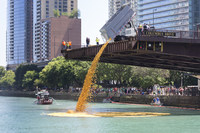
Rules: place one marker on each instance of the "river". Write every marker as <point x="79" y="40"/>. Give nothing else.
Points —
<point x="21" y="115"/>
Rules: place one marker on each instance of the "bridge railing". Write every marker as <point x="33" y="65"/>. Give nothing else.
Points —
<point x="93" y="50"/>
<point x="175" y="34"/>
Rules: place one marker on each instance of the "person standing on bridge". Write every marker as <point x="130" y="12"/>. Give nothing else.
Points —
<point x="64" y="44"/>
<point x="87" y="41"/>
<point x="70" y="44"/>
<point x="67" y="45"/>
<point x="140" y="30"/>
<point x="97" y="40"/>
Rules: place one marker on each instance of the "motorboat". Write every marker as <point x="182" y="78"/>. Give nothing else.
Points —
<point x="43" y="97"/>
<point x="156" y="102"/>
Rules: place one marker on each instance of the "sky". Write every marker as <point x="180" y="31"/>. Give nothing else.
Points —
<point x="93" y="14"/>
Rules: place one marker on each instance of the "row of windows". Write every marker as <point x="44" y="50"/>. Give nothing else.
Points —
<point x="164" y="2"/>
<point x="163" y="8"/>
<point x="166" y="19"/>
<point x="166" y="13"/>
<point x="64" y="6"/>
<point x="171" y="24"/>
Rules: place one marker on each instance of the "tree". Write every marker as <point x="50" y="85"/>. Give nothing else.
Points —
<point x="65" y="14"/>
<point x="38" y="83"/>
<point x="58" y="73"/>
<point x="74" y="14"/>
<point x="114" y="72"/>
<point x="176" y="77"/>
<point x="147" y="77"/>
<point x="80" y="71"/>
<point x="56" y="13"/>
<point x="29" y="78"/>
<point x="2" y="71"/>
<point x="20" y="71"/>
<point x="8" y="80"/>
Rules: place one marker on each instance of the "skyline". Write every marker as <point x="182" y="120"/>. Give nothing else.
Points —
<point x="93" y="18"/>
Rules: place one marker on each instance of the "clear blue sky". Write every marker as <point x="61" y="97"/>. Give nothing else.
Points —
<point x="94" y="14"/>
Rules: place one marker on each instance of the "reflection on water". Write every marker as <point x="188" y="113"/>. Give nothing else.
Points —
<point x="19" y="115"/>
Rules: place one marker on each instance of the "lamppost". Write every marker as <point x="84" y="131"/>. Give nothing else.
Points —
<point x="153" y="15"/>
<point x="196" y="29"/>
<point x="197" y="26"/>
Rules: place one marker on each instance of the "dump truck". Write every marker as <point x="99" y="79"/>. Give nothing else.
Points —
<point x="117" y="22"/>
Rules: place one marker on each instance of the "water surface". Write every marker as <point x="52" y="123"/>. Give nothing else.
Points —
<point x="20" y="115"/>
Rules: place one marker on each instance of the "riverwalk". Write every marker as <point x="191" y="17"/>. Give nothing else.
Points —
<point x="176" y="100"/>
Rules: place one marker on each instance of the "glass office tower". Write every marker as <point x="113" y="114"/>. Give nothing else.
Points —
<point x="169" y="14"/>
<point x="163" y="14"/>
<point x="19" y="32"/>
<point x="115" y="5"/>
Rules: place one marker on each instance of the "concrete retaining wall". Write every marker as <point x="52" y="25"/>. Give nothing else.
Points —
<point x="180" y="101"/>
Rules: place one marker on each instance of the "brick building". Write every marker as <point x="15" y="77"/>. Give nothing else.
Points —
<point x="53" y="31"/>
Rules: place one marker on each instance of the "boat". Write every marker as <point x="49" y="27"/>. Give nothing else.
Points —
<point x="43" y="97"/>
<point x="156" y="102"/>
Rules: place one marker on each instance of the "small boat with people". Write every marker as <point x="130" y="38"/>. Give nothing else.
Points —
<point x="43" y="97"/>
<point x="156" y="102"/>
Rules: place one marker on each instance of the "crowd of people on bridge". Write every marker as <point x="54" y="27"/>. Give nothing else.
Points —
<point x="88" y="41"/>
<point x="143" y="28"/>
<point x="67" y="45"/>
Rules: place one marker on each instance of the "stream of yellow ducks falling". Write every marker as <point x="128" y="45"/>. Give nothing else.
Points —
<point x="86" y="94"/>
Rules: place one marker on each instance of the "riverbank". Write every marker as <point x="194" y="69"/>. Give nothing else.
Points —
<point x="178" y="101"/>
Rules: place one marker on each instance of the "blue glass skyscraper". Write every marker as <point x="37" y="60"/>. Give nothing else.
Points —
<point x="181" y="15"/>
<point x="19" y="31"/>
<point x="169" y="14"/>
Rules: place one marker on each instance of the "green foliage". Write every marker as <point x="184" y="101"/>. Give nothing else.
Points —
<point x="20" y="71"/>
<point x="65" y="14"/>
<point x="2" y="71"/>
<point x="61" y="73"/>
<point x="7" y="80"/>
<point x="176" y="77"/>
<point x="29" y="78"/>
<point x="80" y="71"/>
<point x="147" y="77"/>
<point x="74" y="14"/>
<point x="114" y="72"/>
<point x="58" y="73"/>
<point x="38" y="83"/>
<point x="56" y="13"/>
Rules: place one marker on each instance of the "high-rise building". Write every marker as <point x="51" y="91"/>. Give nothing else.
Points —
<point x="167" y="14"/>
<point x="44" y="9"/>
<point x="163" y="14"/>
<point x="115" y="5"/>
<point x="19" y="31"/>
<point x="23" y="27"/>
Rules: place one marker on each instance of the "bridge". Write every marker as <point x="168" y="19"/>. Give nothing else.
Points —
<point x="178" y="52"/>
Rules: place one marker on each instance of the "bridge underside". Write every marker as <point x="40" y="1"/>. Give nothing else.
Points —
<point x="172" y="54"/>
